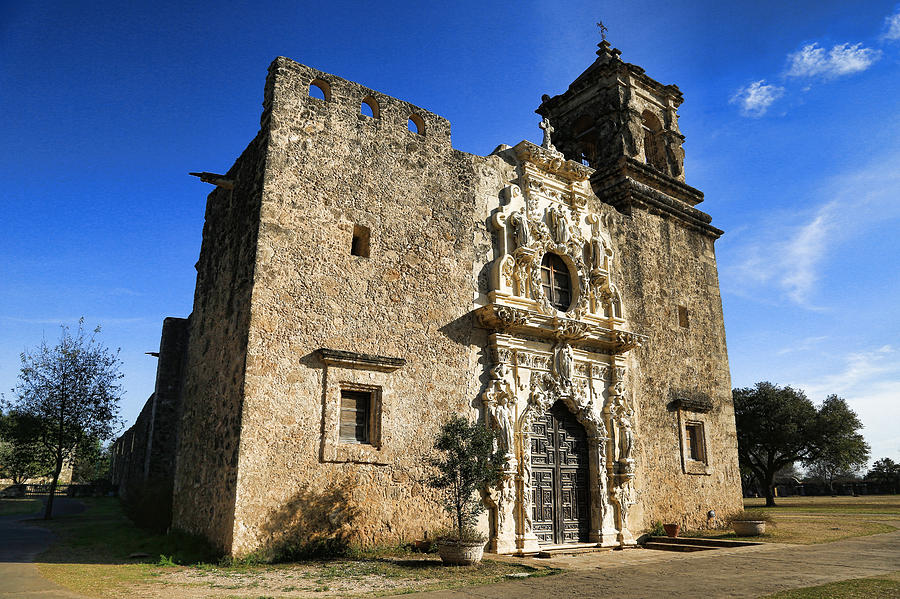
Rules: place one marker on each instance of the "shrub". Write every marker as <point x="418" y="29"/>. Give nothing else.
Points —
<point x="467" y="463"/>
<point x="753" y="515"/>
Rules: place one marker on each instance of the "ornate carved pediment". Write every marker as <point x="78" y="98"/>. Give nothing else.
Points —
<point x="552" y="161"/>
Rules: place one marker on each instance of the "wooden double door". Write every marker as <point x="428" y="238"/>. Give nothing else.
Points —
<point x="559" y="478"/>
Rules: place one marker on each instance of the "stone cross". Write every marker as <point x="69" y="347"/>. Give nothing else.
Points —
<point x="548" y="129"/>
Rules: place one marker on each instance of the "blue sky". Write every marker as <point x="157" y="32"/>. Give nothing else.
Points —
<point x="791" y="113"/>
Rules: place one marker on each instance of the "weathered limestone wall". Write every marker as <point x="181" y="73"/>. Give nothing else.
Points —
<point x="145" y="453"/>
<point x="129" y="454"/>
<point x="665" y="265"/>
<point x="207" y="447"/>
<point x="258" y="462"/>
<point x="328" y="169"/>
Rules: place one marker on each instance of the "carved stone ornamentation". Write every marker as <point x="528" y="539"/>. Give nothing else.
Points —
<point x="511" y="317"/>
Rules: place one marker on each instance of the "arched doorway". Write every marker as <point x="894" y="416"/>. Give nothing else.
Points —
<point x="559" y="478"/>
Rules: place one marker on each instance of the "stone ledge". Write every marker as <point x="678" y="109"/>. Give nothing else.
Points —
<point x="692" y="404"/>
<point x="349" y="359"/>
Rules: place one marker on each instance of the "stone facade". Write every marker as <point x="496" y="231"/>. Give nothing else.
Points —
<point x="360" y="281"/>
<point x="145" y="453"/>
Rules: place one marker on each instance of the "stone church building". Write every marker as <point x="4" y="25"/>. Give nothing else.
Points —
<point x="360" y="281"/>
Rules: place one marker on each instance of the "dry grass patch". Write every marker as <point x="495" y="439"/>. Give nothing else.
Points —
<point x="884" y="587"/>
<point x="810" y="520"/>
<point x="843" y="504"/>
<point x="91" y="558"/>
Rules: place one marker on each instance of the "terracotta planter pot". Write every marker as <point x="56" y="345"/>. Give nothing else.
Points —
<point x="460" y="553"/>
<point x="672" y="530"/>
<point x="749" y="528"/>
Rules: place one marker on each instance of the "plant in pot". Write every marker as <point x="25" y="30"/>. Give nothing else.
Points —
<point x="750" y="523"/>
<point x="467" y="462"/>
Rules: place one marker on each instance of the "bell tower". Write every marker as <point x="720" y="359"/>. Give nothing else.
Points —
<point x="624" y="124"/>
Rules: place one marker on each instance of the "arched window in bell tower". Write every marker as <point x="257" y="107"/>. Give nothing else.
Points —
<point x="654" y="149"/>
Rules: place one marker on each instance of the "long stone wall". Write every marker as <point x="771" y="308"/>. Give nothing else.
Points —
<point x="145" y="453"/>
<point x="212" y="393"/>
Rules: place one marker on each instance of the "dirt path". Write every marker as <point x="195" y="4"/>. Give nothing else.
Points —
<point x="19" y="544"/>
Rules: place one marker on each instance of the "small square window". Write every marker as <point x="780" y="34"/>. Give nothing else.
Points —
<point x="360" y="244"/>
<point x="683" y="316"/>
<point x="356" y="416"/>
<point x="696" y="445"/>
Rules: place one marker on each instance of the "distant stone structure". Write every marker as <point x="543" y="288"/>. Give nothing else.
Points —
<point x="360" y="281"/>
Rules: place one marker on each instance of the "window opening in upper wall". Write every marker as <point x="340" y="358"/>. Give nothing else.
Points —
<point x="683" y="316"/>
<point x="359" y="246"/>
<point x="416" y="124"/>
<point x="356" y="416"/>
<point x="556" y="281"/>
<point x="696" y="444"/>
<point x="319" y="89"/>
<point x="369" y="107"/>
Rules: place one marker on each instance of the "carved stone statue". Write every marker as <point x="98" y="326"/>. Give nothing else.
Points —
<point x="548" y="129"/>
<point x="598" y="254"/>
<point x="564" y="362"/>
<point x="559" y="225"/>
<point x="522" y="228"/>
<point x="626" y="435"/>
<point x="501" y="411"/>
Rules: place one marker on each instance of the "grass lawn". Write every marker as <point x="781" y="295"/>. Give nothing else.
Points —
<point x="10" y="507"/>
<point x="883" y="587"/>
<point x="809" y="520"/>
<point x="92" y="558"/>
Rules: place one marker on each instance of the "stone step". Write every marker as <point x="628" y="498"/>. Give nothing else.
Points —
<point x="676" y="547"/>
<point x="701" y="541"/>
<point x="548" y="551"/>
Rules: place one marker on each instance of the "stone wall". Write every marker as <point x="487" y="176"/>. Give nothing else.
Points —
<point x="212" y="394"/>
<point x="666" y="265"/>
<point x="352" y="253"/>
<point x="329" y="169"/>
<point x="145" y="453"/>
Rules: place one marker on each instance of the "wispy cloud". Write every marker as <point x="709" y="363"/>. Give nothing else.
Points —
<point x="791" y="261"/>
<point x="892" y="27"/>
<point x="783" y="256"/>
<point x="756" y="97"/>
<point x="843" y="59"/>
<point x="870" y="382"/>
<point x="803" y="345"/>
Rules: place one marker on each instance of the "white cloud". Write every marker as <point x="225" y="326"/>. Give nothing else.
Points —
<point x="804" y="252"/>
<point x="756" y="97"/>
<point x="784" y="255"/>
<point x="892" y="26"/>
<point x="790" y="257"/>
<point x="843" y="59"/>
<point x="870" y="382"/>
<point x="803" y="345"/>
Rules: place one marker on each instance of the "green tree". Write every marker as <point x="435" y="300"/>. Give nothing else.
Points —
<point x="73" y="388"/>
<point x="779" y="425"/>
<point x="22" y="455"/>
<point x="775" y="427"/>
<point x="468" y="463"/>
<point x="841" y="448"/>
<point x="885" y="472"/>
<point x="91" y="462"/>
